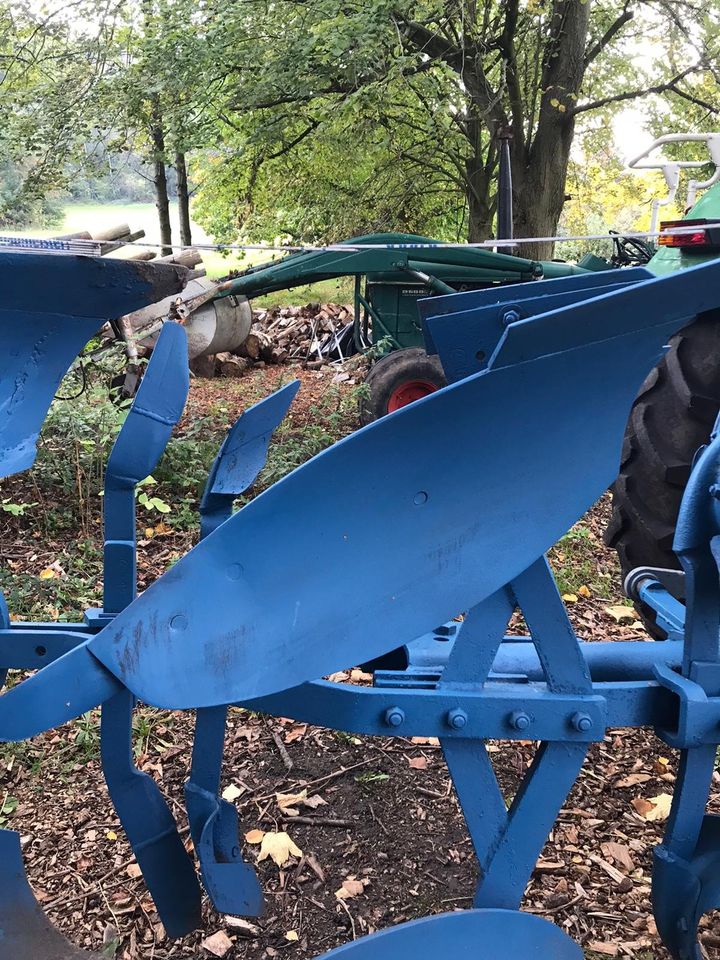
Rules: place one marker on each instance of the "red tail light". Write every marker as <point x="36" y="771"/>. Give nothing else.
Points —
<point x="702" y="238"/>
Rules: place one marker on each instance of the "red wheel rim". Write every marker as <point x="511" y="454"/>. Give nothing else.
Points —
<point x="409" y="392"/>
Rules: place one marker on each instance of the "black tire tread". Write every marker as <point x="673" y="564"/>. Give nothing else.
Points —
<point x="671" y="418"/>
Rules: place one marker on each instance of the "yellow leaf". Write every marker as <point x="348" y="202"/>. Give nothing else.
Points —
<point x="291" y="935"/>
<point x="279" y="847"/>
<point x="655" y="808"/>
<point x="231" y="793"/>
<point x="562" y="108"/>
<point x="584" y="591"/>
<point x="149" y="533"/>
<point x="47" y="574"/>
<point x="111" y="835"/>
<point x="254" y="836"/>
<point x="570" y="597"/>
<point x="621" y="612"/>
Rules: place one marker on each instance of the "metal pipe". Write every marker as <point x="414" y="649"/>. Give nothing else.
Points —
<point x="504" y="195"/>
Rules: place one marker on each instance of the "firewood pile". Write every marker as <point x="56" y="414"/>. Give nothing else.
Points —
<point x="311" y="335"/>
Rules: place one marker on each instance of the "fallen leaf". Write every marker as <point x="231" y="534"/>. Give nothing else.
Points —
<point x="254" y="836"/>
<point x="149" y="532"/>
<point x="218" y="944"/>
<point x="430" y="741"/>
<point x="292" y="936"/>
<point x="350" y="888"/>
<point x="314" y="802"/>
<point x="584" y="591"/>
<point x="338" y="677"/>
<point x="633" y="779"/>
<point x="620" y="612"/>
<point x="655" y="808"/>
<point x="295" y="733"/>
<point x="111" y="835"/>
<point x="134" y="871"/>
<point x="47" y="574"/>
<point x="418" y="763"/>
<point x="359" y="676"/>
<point x="231" y="793"/>
<point x="570" y="597"/>
<point x="287" y="800"/>
<point x="279" y="847"/>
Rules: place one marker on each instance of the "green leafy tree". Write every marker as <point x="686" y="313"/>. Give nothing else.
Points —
<point x="417" y="91"/>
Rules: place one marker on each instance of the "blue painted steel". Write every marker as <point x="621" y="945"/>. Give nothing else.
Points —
<point x="242" y="456"/>
<point x="156" y="409"/>
<point x="427" y="511"/>
<point x="231" y="884"/>
<point x="4" y="625"/>
<point x="25" y="932"/>
<point x="146" y="819"/>
<point x="686" y="868"/>
<point x="482" y="934"/>
<point x="621" y="660"/>
<point x="463" y="519"/>
<point x="45" y="329"/>
<point x="670" y="613"/>
<point x="483" y="315"/>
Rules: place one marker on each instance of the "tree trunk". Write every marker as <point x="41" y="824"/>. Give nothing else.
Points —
<point x="478" y="181"/>
<point x="540" y="191"/>
<point x="183" y="200"/>
<point x="162" y="201"/>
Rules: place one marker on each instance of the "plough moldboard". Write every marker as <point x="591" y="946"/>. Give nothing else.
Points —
<point x="465" y="491"/>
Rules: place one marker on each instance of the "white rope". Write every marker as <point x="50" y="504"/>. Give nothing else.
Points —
<point x="92" y="246"/>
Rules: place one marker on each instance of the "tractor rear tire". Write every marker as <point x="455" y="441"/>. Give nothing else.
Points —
<point x="670" y="420"/>
<point x="398" y="379"/>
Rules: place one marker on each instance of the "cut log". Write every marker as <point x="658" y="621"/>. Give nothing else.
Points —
<point x="186" y="258"/>
<point x="120" y="232"/>
<point x="258" y="345"/>
<point x="204" y="367"/>
<point x="142" y="255"/>
<point x="231" y="366"/>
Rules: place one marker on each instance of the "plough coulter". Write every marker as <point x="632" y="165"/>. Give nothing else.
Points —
<point x="522" y="441"/>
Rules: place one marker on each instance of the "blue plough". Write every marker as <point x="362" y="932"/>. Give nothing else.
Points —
<point x="465" y="491"/>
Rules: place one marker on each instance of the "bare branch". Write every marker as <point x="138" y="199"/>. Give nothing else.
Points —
<point x="634" y="94"/>
<point x="614" y="28"/>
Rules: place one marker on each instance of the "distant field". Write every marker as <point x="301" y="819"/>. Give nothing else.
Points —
<point x="143" y="216"/>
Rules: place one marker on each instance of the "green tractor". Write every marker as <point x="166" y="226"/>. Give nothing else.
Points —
<point x="677" y="405"/>
<point x="389" y="280"/>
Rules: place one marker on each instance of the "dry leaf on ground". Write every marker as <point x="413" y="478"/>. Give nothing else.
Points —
<point x="350" y="888"/>
<point x="654" y="808"/>
<point x="254" y="836"/>
<point x="231" y="793"/>
<point x="295" y="733"/>
<point x="279" y="847"/>
<point x="218" y="944"/>
<point x="621" y="612"/>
